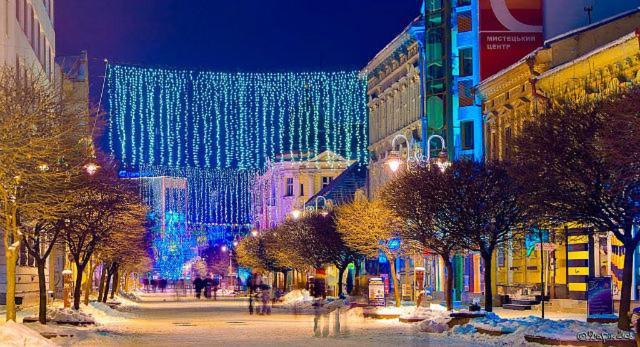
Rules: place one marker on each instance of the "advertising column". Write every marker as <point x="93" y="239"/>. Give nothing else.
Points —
<point x="509" y="30"/>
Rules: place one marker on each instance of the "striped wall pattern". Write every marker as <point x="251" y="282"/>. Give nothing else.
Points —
<point x="578" y="266"/>
<point x="617" y="261"/>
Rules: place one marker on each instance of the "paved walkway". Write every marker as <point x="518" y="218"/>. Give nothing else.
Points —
<point x="226" y="322"/>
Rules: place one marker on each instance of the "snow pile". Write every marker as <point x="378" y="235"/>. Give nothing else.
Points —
<point x="108" y="311"/>
<point x="296" y="296"/>
<point x="14" y="334"/>
<point x="516" y="329"/>
<point x="70" y="316"/>
<point x="423" y="312"/>
<point x="492" y="322"/>
<point x="133" y="296"/>
<point x="435" y="321"/>
<point x="568" y="329"/>
<point x="300" y="301"/>
<point x="391" y="310"/>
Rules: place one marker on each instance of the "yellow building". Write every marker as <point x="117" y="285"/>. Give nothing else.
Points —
<point x="583" y="64"/>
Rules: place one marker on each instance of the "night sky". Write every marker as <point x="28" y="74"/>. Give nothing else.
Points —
<point x="230" y="35"/>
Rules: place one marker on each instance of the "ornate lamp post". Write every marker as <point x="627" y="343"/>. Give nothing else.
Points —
<point x="395" y="158"/>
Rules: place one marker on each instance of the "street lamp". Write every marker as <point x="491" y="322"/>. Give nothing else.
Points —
<point x="91" y="168"/>
<point x="394" y="160"/>
<point x="296" y="213"/>
<point x="254" y="232"/>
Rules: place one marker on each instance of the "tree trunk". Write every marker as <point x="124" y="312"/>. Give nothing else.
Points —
<point x="107" y="283"/>
<point x="624" y="320"/>
<point x="77" y="289"/>
<point x="103" y="278"/>
<point x="448" y="288"/>
<point x="88" y="284"/>
<point x="340" y="274"/>
<point x="11" y="249"/>
<point x="396" y="292"/>
<point x="116" y="281"/>
<point x="356" y="278"/>
<point x="488" y="290"/>
<point x="42" y="286"/>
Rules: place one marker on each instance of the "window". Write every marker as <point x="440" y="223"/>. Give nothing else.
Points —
<point x="466" y="134"/>
<point x="465" y="95"/>
<point x="301" y="189"/>
<point x="465" y="61"/>
<point x="326" y="181"/>
<point x="464" y="22"/>
<point x="464" y="2"/>
<point x="289" y="188"/>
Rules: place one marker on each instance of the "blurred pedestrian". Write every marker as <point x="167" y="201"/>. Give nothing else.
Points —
<point x="197" y="283"/>
<point x="216" y="283"/>
<point x="265" y="295"/>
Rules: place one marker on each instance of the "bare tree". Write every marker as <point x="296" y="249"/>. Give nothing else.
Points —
<point x="581" y="163"/>
<point x="316" y="238"/>
<point x="104" y="206"/>
<point x="419" y="197"/>
<point x="42" y="139"/>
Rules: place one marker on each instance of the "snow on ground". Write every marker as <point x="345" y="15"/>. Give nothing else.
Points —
<point x="14" y="334"/>
<point x="68" y="315"/>
<point x="300" y="301"/>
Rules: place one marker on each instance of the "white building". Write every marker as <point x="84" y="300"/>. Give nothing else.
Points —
<point x="290" y="181"/>
<point x="27" y="40"/>
<point x="27" y="35"/>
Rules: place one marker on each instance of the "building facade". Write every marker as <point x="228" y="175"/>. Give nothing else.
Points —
<point x="393" y="89"/>
<point x="289" y="182"/>
<point x="27" y="35"/>
<point x="583" y="64"/>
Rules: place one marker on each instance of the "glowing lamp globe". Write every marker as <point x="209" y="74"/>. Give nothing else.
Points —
<point x="324" y="213"/>
<point x="224" y="248"/>
<point x="442" y="161"/>
<point x="296" y="214"/>
<point x="394" y="161"/>
<point x="91" y="168"/>
<point x="254" y="232"/>
<point x="235" y="243"/>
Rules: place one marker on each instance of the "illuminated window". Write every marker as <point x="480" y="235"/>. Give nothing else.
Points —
<point x="464" y="21"/>
<point x="465" y="93"/>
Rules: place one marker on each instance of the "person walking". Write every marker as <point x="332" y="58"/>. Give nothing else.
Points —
<point x="250" y="287"/>
<point x="216" y="283"/>
<point x="197" y="283"/>
<point x="266" y="296"/>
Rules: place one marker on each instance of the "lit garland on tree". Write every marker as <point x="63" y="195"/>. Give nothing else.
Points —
<point x="173" y="247"/>
<point x="178" y="118"/>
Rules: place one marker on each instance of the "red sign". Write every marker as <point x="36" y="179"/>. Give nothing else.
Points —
<point x="509" y="30"/>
